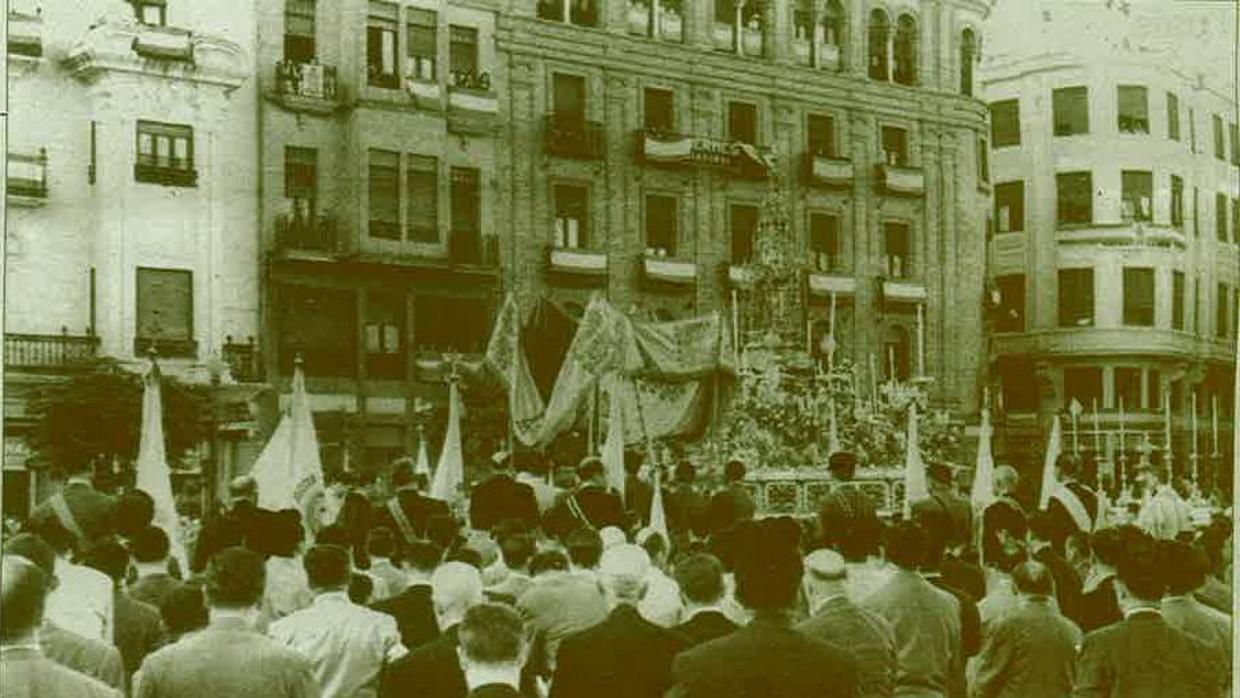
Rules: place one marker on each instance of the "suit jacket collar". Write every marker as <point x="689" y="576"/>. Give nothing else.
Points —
<point x="229" y="624"/>
<point x="772" y="619"/>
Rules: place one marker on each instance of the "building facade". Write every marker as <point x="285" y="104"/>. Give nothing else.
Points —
<point x="129" y="198"/>
<point x="1116" y="201"/>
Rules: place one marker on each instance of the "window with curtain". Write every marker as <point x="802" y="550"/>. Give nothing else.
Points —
<point x="1074" y="198"/>
<point x="1010" y="206"/>
<point x="905" y="50"/>
<point x="1076" y="297"/>
<point x="1071" y="110"/>
<point x="1138" y="297"/>
<point x="820" y="134"/>
<point x="662" y="229"/>
<point x="381" y="44"/>
<point x="463" y="50"/>
<point x="299" y="30"/>
<point x="422" y="198"/>
<point x="968" y="57"/>
<point x="1173" y="116"/>
<point x="384" y="189"/>
<point x="824" y="242"/>
<point x="1177" y="201"/>
<point x="421" y="37"/>
<point x="879" y="32"/>
<point x="572" y="216"/>
<point x="1134" y="114"/>
<point x="167" y="146"/>
<point x="1005" y="123"/>
<point x="896" y="247"/>
<point x="744" y="219"/>
<point x="1137" y="195"/>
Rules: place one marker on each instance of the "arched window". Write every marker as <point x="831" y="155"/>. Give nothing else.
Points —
<point x="896" y="354"/>
<point x="880" y="30"/>
<point x="906" y="50"/>
<point x="968" y="56"/>
<point x="833" y="33"/>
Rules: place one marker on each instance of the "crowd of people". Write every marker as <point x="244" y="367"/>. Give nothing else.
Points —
<point x="568" y="591"/>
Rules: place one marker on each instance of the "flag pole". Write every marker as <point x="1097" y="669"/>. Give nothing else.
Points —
<point x="512" y="380"/>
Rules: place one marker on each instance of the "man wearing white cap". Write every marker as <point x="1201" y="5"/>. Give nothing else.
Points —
<point x="836" y="619"/>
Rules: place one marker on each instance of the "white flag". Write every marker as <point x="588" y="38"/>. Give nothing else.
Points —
<point x="613" y="447"/>
<point x="450" y="472"/>
<point x="1054" y="445"/>
<point x="153" y="476"/>
<point x="983" y="492"/>
<point x="658" y="519"/>
<point x="289" y="471"/>
<point x="914" y="469"/>
<point x="422" y="466"/>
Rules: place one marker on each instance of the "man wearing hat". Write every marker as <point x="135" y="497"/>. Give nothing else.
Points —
<point x="593" y="505"/>
<point x="958" y="519"/>
<point x="847" y="515"/>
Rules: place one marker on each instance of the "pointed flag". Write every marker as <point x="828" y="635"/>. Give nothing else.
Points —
<point x="613" y="447"/>
<point x="983" y="492"/>
<point x="505" y="357"/>
<point x="153" y="476"/>
<point x="450" y="472"/>
<point x="914" y="469"/>
<point x="422" y="466"/>
<point x="289" y="471"/>
<point x="1054" y="445"/>
<point x="658" y="519"/>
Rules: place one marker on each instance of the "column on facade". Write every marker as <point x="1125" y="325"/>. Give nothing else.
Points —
<point x="526" y="180"/>
<point x="857" y="18"/>
<point x="699" y="24"/>
<point x="817" y="34"/>
<point x="860" y="128"/>
<point x="621" y="217"/>
<point x="938" y="251"/>
<point x="776" y="34"/>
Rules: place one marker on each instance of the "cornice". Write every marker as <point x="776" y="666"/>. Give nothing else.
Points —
<point x="110" y="48"/>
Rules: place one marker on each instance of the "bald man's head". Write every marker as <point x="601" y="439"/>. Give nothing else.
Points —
<point x="455" y="587"/>
<point x="1033" y="579"/>
<point x="23" y="591"/>
<point x="825" y="574"/>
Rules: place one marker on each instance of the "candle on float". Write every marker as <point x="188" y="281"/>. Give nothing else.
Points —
<point x="1194" y="421"/>
<point x="1121" y="428"/>
<point x="1167" y="421"/>
<point x="921" y="339"/>
<point x="831" y="334"/>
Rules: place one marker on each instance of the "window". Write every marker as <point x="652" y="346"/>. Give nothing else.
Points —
<point x="384" y="333"/>
<point x="1010" y="206"/>
<point x="824" y="242"/>
<point x="1153" y="379"/>
<point x="905" y="51"/>
<point x="1076" y="297"/>
<point x="572" y="215"/>
<point x="165" y="154"/>
<point x="895" y="146"/>
<point x="465" y="243"/>
<point x="1127" y="387"/>
<point x="833" y="27"/>
<point x="1075" y="198"/>
<point x="983" y="160"/>
<point x="1192" y="131"/>
<point x="1134" y="113"/>
<point x="1071" y="106"/>
<point x="381" y="45"/>
<point x="463" y="51"/>
<point x="320" y="324"/>
<point x="1219" y="147"/>
<point x="897" y="357"/>
<point x="1173" y="116"/>
<point x="1177" y="202"/>
<point x="568" y="95"/>
<point x="165" y="310"/>
<point x="742" y="122"/>
<point x="820" y="134"/>
<point x="744" y="220"/>
<point x="662" y="230"/>
<point x="384" y="187"/>
<point x="1220" y="216"/>
<point x="1197" y="324"/>
<point x="151" y="12"/>
<point x="1138" y="297"/>
<point x="1234" y="132"/>
<point x="1011" y="316"/>
<point x="1221" y="315"/>
<point x="659" y="110"/>
<point x="1196" y="211"/>
<point x="421" y="36"/>
<point x="968" y="56"/>
<point x="1083" y="384"/>
<point x="422" y="198"/>
<point x="1235" y="220"/>
<point x="298" y="30"/>
<point x="896" y="245"/>
<point x="1138" y="193"/>
<point x="1005" y="123"/>
<point x="451" y="324"/>
<point x="301" y="181"/>
<point x="880" y="34"/>
<point x="583" y="13"/>
<point x="1177" y="300"/>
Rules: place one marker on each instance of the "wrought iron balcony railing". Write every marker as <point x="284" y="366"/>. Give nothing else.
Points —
<point x="306" y="233"/>
<point x="306" y="80"/>
<point x="571" y="136"/>
<point x="49" y="351"/>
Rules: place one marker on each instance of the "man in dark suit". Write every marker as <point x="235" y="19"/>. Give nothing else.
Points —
<point x="733" y="503"/>
<point x="81" y="509"/>
<point x="957" y="519"/>
<point x="1004" y="523"/>
<point x="1142" y="656"/>
<point x="625" y="655"/>
<point x="933" y="522"/>
<point x="1029" y="651"/>
<point x="637" y="492"/>
<point x="501" y="497"/>
<point x="836" y="619"/>
<point x="684" y="503"/>
<point x="412" y="608"/>
<point x="1073" y="506"/>
<point x="148" y="546"/>
<point x="847" y="516"/>
<point x="229" y="527"/>
<point x="1067" y="582"/>
<point x="433" y="669"/>
<point x="138" y="629"/>
<point x="1099" y="601"/>
<point x="767" y="657"/>
<point x="592" y="505"/>
<point x="408" y="510"/>
<point x="493" y="649"/>
<point x="1186" y="568"/>
<point x="700" y="578"/>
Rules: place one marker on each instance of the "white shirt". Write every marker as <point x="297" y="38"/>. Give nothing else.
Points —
<point x="287" y="588"/>
<point x="347" y="644"/>
<point x="81" y="601"/>
<point x="661" y="604"/>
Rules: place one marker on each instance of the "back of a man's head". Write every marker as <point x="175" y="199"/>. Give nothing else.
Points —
<point x="590" y="469"/>
<point x="23" y="591"/>
<point x="134" y="511"/>
<point x="700" y="578"/>
<point x="1141" y="570"/>
<point x="455" y="586"/>
<point x="235" y="579"/>
<point x="1108" y="546"/>
<point x="653" y="543"/>
<point x="1033" y="579"/>
<point x="622" y="570"/>
<point x="734" y="471"/>
<point x="905" y="545"/>
<point x="110" y="557"/>
<point x="491" y="635"/>
<point x="59" y="538"/>
<point x="768" y="577"/>
<point x="183" y="609"/>
<point x="516" y="550"/>
<point x="327" y="567"/>
<point x="1186" y="567"/>
<point x="546" y="561"/>
<point x="584" y="547"/>
<point x="149" y="545"/>
<point x="422" y="556"/>
<point x="34" y="549"/>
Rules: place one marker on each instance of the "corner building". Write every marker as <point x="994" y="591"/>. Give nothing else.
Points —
<point x="1114" y="256"/>
<point x="619" y="168"/>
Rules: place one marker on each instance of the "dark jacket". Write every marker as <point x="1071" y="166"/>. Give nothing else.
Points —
<point x="686" y="509"/>
<point x="1144" y="657"/>
<point x="1063" y="523"/>
<point x="764" y="659"/>
<point x="151" y="588"/>
<point x="970" y="616"/>
<point x="956" y="515"/>
<point x="866" y="634"/>
<point x="1067" y="581"/>
<point x="730" y="506"/>
<point x="848" y="515"/>
<point x="704" y="627"/>
<point x="92" y="511"/>
<point x="637" y="497"/>
<point x="500" y="497"/>
<point x="1003" y="519"/>
<point x="414" y="613"/>
<point x="624" y="656"/>
<point x="138" y="629"/>
<point x="1028" y="653"/>
<point x="432" y="670"/>
<point x="417" y="508"/>
<point x="495" y="690"/>
<point x="1098" y="608"/>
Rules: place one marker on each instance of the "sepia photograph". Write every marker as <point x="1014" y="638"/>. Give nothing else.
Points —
<point x="619" y="348"/>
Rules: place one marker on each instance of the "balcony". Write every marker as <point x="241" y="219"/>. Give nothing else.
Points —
<point x="582" y="263"/>
<point x="1127" y="234"/>
<point x="669" y="271"/>
<point x="742" y="275"/>
<point x="164" y="43"/>
<point x="308" y="87"/>
<point x="309" y="237"/>
<point x="469" y="248"/>
<point x="902" y="291"/>
<point x="165" y="347"/>
<point x="664" y="149"/>
<point x="165" y="171"/>
<point x="25" y="35"/>
<point x="473" y="106"/>
<point x="825" y="283"/>
<point x="669" y="25"/>
<point x="828" y="171"/>
<point x="571" y="136"/>
<point x="902" y="181"/>
<point x="49" y="351"/>
<point x="723" y="38"/>
<point x="27" y="178"/>
<point x="1115" y="341"/>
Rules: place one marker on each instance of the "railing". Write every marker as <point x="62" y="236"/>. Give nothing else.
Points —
<point x="469" y="247"/>
<point x="27" y="174"/>
<point x="244" y="360"/>
<point x="306" y="80"/>
<point x="169" y="171"/>
<point x="471" y="80"/>
<point x="571" y="136"/>
<point x="310" y="234"/>
<point x="177" y="348"/>
<point x="25" y="34"/>
<point x="49" y="350"/>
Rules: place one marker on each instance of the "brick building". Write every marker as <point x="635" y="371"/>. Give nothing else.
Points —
<point x="1117" y="198"/>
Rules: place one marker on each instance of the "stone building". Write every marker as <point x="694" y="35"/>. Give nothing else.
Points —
<point x="1114" y="257"/>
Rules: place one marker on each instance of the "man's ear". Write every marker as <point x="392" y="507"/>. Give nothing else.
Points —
<point x="460" y="656"/>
